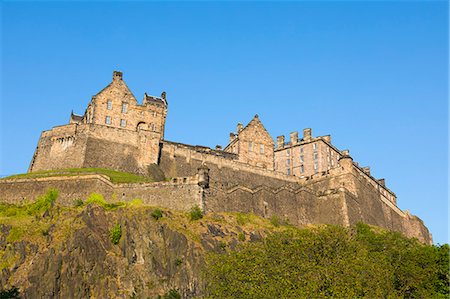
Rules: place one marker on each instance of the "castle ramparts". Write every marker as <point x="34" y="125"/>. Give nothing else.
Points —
<point x="306" y="180"/>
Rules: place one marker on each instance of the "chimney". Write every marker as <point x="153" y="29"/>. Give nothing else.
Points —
<point x="117" y="76"/>
<point x="307" y="134"/>
<point x="345" y="153"/>
<point x="293" y="137"/>
<point x="218" y="147"/>
<point x="280" y="141"/>
<point x="239" y="128"/>
<point x="366" y="170"/>
<point x="327" y="138"/>
<point x="382" y="182"/>
<point x="232" y="136"/>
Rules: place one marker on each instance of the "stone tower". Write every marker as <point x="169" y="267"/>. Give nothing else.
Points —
<point x="115" y="132"/>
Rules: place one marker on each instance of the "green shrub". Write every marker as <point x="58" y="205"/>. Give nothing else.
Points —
<point x="275" y="221"/>
<point x="43" y="203"/>
<point x="172" y="294"/>
<point x="78" y="203"/>
<point x="330" y="262"/>
<point x="96" y="199"/>
<point x="241" y="237"/>
<point x="156" y="214"/>
<point x="242" y="219"/>
<point x="115" y="234"/>
<point x="12" y="293"/>
<point x="195" y="213"/>
<point x="178" y="262"/>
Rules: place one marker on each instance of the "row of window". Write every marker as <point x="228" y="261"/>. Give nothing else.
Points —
<point x="124" y="106"/>
<point x="302" y="168"/>
<point x="123" y="122"/>
<point x="250" y="147"/>
<point x="315" y="147"/>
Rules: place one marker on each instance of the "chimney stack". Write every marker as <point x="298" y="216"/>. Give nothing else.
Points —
<point x="117" y="76"/>
<point x="232" y="136"/>
<point x="307" y="134"/>
<point x="280" y="141"/>
<point x="293" y="137"/>
<point x="239" y="128"/>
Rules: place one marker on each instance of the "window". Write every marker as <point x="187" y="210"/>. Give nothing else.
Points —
<point x="123" y="123"/>
<point x="109" y="105"/>
<point x="289" y="171"/>
<point x="288" y="162"/>
<point x="315" y="155"/>
<point x="316" y="166"/>
<point x="108" y="120"/>
<point x="288" y="152"/>
<point x="261" y="148"/>
<point x="332" y="162"/>
<point x="124" y="107"/>
<point x="301" y="149"/>
<point x="315" y="146"/>
<point x="250" y="146"/>
<point x="302" y="169"/>
<point x="302" y="159"/>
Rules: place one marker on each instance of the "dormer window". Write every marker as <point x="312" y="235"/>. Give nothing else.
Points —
<point x="124" y="107"/>
<point x="109" y="105"/>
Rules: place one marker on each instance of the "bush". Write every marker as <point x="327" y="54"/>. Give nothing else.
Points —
<point x="97" y="199"/>
<point x="241" y="237"/>
<point x="195" y="213"/>
<point x="157" y="214"/>
<point x="43" y="203"/>
<point x="330" y="262"/>
<point x="115" y="234"/>
<point x="275" y="220"/>
<point x="172" y="294"/>
<point x="78" y="203"/>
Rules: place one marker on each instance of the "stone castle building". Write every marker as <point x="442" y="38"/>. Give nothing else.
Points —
<point x="306" y="180"/>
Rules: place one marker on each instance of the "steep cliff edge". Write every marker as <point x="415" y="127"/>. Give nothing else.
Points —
<point x="70" y="252"/>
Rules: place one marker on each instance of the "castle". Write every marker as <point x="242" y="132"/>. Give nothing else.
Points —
<point x="305" y="180"/>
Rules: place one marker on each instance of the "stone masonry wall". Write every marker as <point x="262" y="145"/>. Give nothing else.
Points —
<point x="89" y="145"/>
<point x="339" y="196"/>
<point x="182" y="195"/>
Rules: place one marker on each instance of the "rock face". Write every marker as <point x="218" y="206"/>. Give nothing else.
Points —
<point x="76" y="258"/>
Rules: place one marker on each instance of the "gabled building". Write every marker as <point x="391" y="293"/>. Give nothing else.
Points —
<point x="253" y="144"/>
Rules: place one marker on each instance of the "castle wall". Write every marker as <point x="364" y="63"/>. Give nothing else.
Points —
<point x="340" y="196"/>
<point x="182" y="195"/>
<point x="89" y="145"/>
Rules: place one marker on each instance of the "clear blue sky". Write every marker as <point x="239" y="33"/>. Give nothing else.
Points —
<point x="374" y="75"/>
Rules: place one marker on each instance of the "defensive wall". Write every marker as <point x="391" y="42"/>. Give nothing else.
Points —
<point x="178" y="194"/>
<point x="91" y="145"/>
<point x="343" y="195"/>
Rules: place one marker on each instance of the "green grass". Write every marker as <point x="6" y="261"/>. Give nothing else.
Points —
<point x="115" y="176"/>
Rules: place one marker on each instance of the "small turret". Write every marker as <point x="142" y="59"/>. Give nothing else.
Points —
<point x="203" y="176"/>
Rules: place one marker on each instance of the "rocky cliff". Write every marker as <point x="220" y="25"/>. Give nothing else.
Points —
<point x="64" y="252"/>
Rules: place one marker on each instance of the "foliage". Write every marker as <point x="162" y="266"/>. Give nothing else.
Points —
<point x="156" y="214"/>
<point x="330" y="262"/>
<point x="12" y="293"/>
<point x="78" y="203"/>
<point x="38" y="207"/>
<point x="195" y="213"/>
<point x="115" y="176"/>
<point x="115" y="234"/>
<point x="98" y="199"/>
<point x="171" y="294"/>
